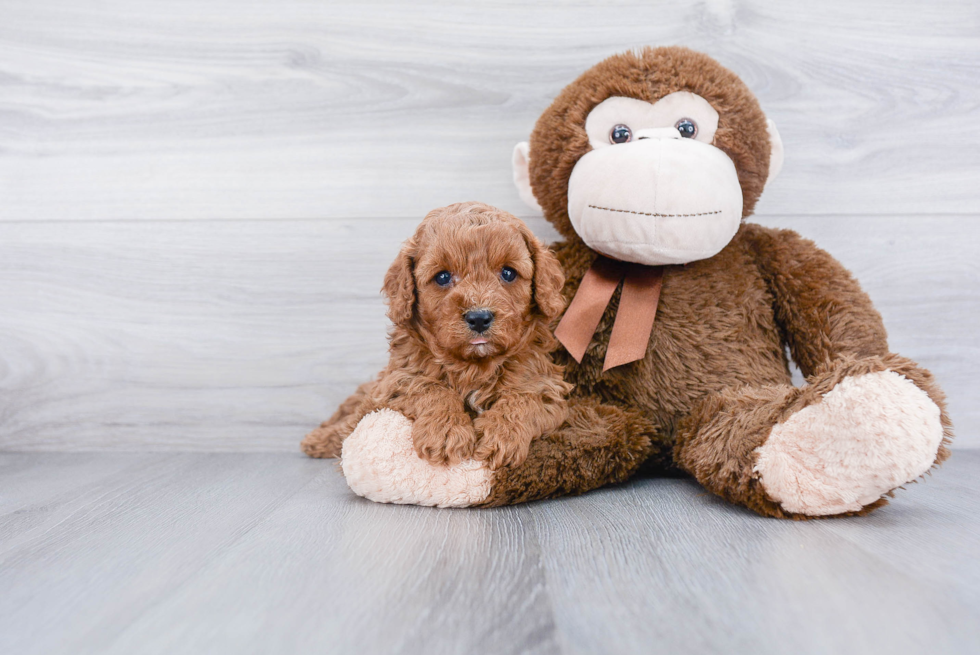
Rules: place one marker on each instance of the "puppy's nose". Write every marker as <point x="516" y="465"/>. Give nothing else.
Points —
<point x="479" y="320"/>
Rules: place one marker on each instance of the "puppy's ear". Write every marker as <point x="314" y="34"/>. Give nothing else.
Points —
<point x="399" y="286"/>
<point x="548" y="277"/>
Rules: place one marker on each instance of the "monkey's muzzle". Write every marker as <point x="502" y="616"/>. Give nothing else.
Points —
<point x="655" y="201"/>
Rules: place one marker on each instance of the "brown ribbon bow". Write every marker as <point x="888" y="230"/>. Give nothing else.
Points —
<point x="634" y="318"/>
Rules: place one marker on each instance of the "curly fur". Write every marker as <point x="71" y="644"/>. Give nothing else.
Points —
<point x="484" y="401"/>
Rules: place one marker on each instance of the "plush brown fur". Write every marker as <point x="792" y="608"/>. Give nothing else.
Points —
<point x="487" y="401"/>
<point x="599" y="444"/>
<point x="715" y="379"/>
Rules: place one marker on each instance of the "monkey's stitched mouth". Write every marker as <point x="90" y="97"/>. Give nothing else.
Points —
<point x="628" y="211"/>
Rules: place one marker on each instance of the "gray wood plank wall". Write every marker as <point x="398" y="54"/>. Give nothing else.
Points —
<point x="198" y="199"/>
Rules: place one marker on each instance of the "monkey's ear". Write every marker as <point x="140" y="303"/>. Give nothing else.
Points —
<point x="522" y="178"/>
<point x="775" y="152"/>
<point x="399" y="288"/>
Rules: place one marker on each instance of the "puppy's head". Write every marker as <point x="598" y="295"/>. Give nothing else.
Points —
<point x="474" y="281"/>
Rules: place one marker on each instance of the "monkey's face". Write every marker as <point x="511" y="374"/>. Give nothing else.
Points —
<point x="653" y="189"/>
<point x="651" y="157"/>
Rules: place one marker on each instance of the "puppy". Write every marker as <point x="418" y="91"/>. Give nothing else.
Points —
<point x="472" y="296"/>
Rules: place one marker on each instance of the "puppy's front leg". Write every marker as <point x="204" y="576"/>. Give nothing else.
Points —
<point x="507" y="428"/>
<point x="442" y="431"/>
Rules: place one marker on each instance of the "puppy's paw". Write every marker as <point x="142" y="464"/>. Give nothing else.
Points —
<point x="444" y="443"/>
<point x="500" y="445"/>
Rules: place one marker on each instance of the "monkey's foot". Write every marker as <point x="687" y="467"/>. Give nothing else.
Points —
<point x="380" y="463"/>
<point x="867" y="436"/>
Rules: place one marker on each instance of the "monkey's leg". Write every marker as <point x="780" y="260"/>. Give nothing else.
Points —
<point x="325" y="441"/>
<point x="858" y="430"/>
<point x="597" y="445"/>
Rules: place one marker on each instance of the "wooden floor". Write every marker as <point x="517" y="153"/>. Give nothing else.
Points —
<point x="271" y="553"/>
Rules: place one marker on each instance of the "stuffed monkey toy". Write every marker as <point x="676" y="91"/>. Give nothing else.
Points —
<point x="680" y="317"/>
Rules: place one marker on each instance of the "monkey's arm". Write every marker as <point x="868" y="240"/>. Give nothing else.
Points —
<point x="821" y="309"/>
<point x="826" y="318"/>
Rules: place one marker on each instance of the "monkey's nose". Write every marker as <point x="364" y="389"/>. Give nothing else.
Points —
<point x="479" y="320"/>
<point x="658" y="133"/>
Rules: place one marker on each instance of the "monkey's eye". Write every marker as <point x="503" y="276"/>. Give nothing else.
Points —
<point x="687" y="128"/>
<point x="443" y="278"/>
<point x="507" y="274"/>
<point x="620" y="134"/>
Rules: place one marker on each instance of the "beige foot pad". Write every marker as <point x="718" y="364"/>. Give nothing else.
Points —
<point x="380" y="463"/>
<point x="869" y="434"/>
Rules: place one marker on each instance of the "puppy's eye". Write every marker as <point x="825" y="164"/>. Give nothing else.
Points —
<point x="443" y="278"/>
<point x="507" y="274"/>
<point x="687" y="128"/>
<point x="620" y="134"/>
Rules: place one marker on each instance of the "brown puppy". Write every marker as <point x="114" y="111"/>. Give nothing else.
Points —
<point x="471" y="295"/>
